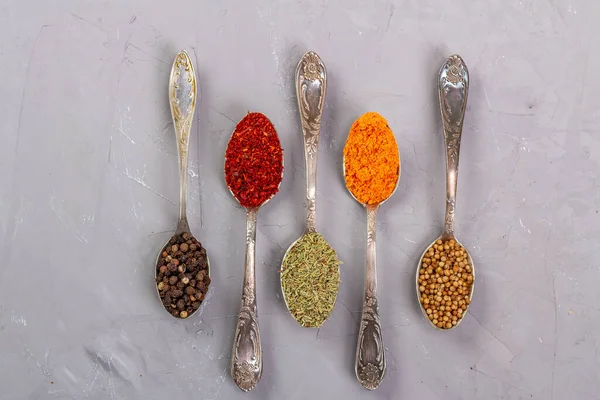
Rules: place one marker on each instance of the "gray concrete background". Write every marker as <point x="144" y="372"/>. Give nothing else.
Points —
<point x="89" y="177"/>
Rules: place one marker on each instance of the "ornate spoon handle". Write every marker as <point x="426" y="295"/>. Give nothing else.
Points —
<point x="453" y="91"/>
<point x="246" y="359"/>
<point x="182" y="97"/>
<point x="311" y="82"/>
<point x="370" y="355"/>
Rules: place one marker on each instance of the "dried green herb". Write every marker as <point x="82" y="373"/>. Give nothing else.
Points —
<point x="310" y="279"/>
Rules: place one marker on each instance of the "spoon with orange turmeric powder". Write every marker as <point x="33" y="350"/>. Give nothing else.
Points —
<point x="446" y="274"/>
<point x="372" y="172"/>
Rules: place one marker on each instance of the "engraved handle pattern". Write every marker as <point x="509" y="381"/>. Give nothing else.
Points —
<point x="370" y="354"/>
<point x="182" y="97"/>
<point x="311" y="82"/>
<point x="453" y="92"/>
<point x="246" y="359"/>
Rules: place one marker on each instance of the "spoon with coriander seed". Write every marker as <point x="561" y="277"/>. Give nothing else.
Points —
<point x="182" y="267"/>
<point x="310" y="274"/>
<point x="446" y="274"/>
<point x="253" y="173"/>
<point x="371" y="168"/>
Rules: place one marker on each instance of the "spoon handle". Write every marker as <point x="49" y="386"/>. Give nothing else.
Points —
<point x="370" y="356"/>
<point x="311" y="82"/>
<point x="182" y="97"/>
<point x="453" y="91"/>
<point x="246" y="360"/>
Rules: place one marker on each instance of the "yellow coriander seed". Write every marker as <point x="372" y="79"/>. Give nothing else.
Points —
<point x="445" y="280"/>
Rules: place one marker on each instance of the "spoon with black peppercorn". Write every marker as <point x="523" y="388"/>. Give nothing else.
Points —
<point x="182" y="267"/>
<point x="445" y="275"/>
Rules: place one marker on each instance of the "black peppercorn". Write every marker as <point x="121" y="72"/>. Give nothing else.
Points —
<point x="182" y="275"/>
<point x="190" y="290"/>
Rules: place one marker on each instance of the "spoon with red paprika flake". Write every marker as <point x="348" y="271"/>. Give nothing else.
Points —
<point x="253" y="173"/>
<point x="182" y="266"/>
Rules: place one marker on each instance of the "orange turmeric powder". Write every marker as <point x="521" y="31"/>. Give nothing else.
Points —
<point x="371" y="159"/>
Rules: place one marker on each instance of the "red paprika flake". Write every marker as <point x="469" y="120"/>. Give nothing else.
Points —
<point x="254" y="161"/>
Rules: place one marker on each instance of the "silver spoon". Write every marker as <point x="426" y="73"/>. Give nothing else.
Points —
<point x="370" y="364"/>
<point x="453" y="89"/>
<point x="311" y="85"/>
<point x="182" y="98"/>
<point x="246" y="358"/>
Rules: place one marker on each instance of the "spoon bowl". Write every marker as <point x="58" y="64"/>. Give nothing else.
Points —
<point x="182" y="98"/>
<point x="280" y="179"/>
<point x="285" y="297"/>
<point x="443" y="238"/>
<point x="453" y="89"/>
<point x="177" y="233"/>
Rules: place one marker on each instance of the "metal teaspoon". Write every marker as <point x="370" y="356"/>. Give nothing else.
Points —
<point x="311" y="85"/>
<point x="453" y="89"/>
<point x="182" y="98"/>
<point x="246" y="357"/>
<point x="370" y="364"/>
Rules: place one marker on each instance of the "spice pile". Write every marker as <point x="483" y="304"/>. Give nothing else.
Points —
<point x="310" y="278"/>
<point x="372" y="162"/>
<point x="182" y="275"/>
<point x="254" y="161"/>
<point x="445" y="282"/>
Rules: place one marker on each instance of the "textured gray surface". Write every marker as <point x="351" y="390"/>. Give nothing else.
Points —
<point x="89" y="178"/>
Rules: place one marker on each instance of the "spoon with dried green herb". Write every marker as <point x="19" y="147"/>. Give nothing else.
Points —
<point x="310" y="274"/>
